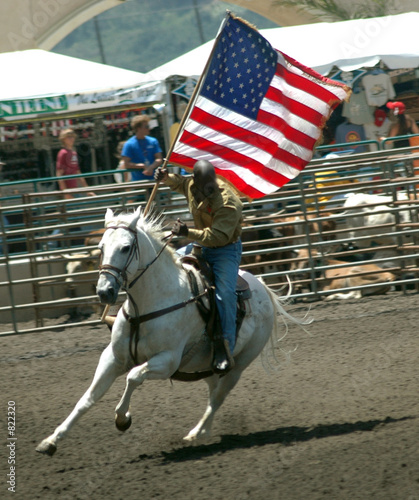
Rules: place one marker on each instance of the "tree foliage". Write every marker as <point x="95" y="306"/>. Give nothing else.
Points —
<point x="331" y="10"/>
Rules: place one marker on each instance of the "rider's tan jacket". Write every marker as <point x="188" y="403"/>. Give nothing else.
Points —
<point x="218" y="219"/>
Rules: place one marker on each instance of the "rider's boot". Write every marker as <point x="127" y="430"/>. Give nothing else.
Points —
<point x="223" y="361"/>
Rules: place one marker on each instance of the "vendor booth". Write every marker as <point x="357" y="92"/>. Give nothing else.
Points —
<point x="45" y="92"/>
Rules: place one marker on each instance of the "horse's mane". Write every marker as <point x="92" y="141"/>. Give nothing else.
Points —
<point x="152" y="224"/>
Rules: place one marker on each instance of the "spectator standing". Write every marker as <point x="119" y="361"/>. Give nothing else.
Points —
<point x="68" y="164"/>
<point x="142" y="153"/>
<point x="404" y="124"/>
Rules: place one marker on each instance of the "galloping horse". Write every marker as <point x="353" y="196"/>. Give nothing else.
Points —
<point x="159" y="331"/>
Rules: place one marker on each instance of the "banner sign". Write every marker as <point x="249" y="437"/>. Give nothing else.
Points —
<point x="22" y="107"/>
<point x="33" y="107"/>
<point x="186" y="90"/>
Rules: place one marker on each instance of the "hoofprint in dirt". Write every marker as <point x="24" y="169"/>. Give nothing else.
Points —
<point x="338" y="421"/>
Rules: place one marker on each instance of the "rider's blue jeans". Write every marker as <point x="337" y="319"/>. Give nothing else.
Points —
<point x="225" y="262"/>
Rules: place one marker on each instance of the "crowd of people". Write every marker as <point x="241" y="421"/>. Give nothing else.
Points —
<point x="138" y="156"/>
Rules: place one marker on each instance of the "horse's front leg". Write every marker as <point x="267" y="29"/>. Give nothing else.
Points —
<point x="159" y="367"/>
<point x="107" y="371"/>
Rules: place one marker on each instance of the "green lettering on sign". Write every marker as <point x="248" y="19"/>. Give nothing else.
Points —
<point x="20" y="107"/>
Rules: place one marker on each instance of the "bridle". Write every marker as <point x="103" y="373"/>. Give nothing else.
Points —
<point x="121" y="276"/>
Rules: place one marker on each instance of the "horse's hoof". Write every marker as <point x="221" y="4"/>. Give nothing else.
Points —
<point x="197" y="437"/>
<point x="46" y="448"/>
<point x="123" y="426"/>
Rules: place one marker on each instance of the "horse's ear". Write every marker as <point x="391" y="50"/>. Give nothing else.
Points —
<point x="108" y="215"/>
<point x="135" y="217"/>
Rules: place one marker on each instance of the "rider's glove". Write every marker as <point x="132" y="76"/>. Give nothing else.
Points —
<point x="180" y="228"/>
<point x="161" y="174"/>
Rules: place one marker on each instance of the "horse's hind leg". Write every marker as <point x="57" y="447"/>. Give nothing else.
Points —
<point x="219" y="388"/>
<point x="107" y="371"/>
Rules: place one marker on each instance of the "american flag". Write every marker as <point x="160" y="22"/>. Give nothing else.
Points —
<point x="257" y="113"/>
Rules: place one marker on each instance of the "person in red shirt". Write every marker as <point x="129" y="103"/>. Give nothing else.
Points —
<point x="68" y="164"/>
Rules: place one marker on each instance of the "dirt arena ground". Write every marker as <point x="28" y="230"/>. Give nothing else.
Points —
<point x="338" y="421"/>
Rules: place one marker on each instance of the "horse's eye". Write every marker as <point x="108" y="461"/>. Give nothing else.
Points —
<point x="125" y="249"/>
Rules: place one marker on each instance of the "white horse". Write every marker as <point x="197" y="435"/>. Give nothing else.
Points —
<point x="156" y="346"/>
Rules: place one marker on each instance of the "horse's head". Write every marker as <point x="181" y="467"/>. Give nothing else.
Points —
<point x="130" y="244"/>
<point x="120" y="254"/>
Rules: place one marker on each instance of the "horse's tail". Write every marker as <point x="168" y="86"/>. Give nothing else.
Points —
<point x="281" y="321"/>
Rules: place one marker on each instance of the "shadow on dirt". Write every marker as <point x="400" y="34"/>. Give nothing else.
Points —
<point x="282" y="435"/>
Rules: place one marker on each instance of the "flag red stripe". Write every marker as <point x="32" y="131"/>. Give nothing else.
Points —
<point x="182" y="160"/>
<point x="290" y="159"/>
<point x="228" y="128"/>
<point x="305" y="84"/>
<point x="290" y="133"/>
<point x="338" y="85"/>
<point x="295" y="107"/>
<point x="241" y="185"/>
<point x="232" y="157"/>
<point x="238" y="182"/>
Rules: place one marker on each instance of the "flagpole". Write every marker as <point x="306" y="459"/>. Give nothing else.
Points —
<point x="197" y="88"/>
<point x="192" y="100"/>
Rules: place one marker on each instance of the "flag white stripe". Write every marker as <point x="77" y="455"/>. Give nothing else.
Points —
<point x="246" y="175"/>
<point x="299" y="95"/>
<point x="294" y="121"/>
<point x="257" y="127"/>
<point x="272" y="163"/>
<point x="242" y="147"/>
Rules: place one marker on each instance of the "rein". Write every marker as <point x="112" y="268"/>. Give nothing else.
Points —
<point x="166" y="310"/>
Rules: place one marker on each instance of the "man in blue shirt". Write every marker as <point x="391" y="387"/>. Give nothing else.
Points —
<point x="142" y="153"/>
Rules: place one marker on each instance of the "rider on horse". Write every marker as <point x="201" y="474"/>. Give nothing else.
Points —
<point x="217" y="215"/>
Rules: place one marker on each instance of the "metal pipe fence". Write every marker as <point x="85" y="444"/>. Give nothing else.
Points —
<point x="308" y="214"/>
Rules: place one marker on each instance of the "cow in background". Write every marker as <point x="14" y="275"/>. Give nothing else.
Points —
<point x="265" y="241"/>
<point x="370" y="211"/>
<point x="350" y="276"/>
<point x="272" y="242"/>
<point x="81" y="286"/>
<point x="293" y="227"/>
<point x="94" y="237"/>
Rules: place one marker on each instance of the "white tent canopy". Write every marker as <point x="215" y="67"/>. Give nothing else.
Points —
<point x="40" y="82"/>
<point x="347" y="45"/>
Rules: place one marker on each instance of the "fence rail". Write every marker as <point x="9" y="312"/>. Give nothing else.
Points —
<point x="307" y="214"/>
